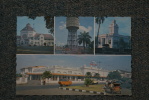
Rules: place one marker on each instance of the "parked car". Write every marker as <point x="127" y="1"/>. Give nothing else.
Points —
<point x="65" y="82"/>
<point x="94" y="81"/>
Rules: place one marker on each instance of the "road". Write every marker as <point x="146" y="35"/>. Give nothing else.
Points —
<point x="48" y="89"/>
<point x="35" y="88"/>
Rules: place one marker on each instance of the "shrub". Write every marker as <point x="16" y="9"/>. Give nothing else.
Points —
<point x="87" y="82"/>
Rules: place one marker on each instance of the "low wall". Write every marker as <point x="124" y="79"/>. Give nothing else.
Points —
<point x="51" y="81"/>
<point x="21" y="80"/>
<point x="78" y="81"/>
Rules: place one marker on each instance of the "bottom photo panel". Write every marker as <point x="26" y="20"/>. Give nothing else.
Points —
<point x="73" y="75"/>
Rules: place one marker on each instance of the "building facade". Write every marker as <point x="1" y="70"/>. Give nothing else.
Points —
<point x="59" y="72"/>
<point x="29" y="37"/>
<point x="113" y="39"/>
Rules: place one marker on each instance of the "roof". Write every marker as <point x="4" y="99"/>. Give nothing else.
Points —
<point x="33" y="67"/>
<point x="46" y="36"/>
<point x="60" y="74"/>
<point x="28" y="28"/>
<point x="55" y="74"/>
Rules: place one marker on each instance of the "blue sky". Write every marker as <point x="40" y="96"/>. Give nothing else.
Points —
<point x="108" y="62"/>
<point x="61" y="33"/>
<point x="124" y="24"/>
<point x="39" y="24"/>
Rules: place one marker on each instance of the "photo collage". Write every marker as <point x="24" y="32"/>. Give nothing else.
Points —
<point x="73" y="55"/>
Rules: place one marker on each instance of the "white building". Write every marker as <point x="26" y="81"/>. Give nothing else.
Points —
<point x="125" y="74"/>
<point x="29" y="37"/>
<point x="58" y="72"/>
<point x="113" y="38"/>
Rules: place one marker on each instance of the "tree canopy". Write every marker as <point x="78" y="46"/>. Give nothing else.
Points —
<point x="122" y="43"/>
<point x="49" y="23"/>
<point x="88" y="74"/>
<point x="46" y="74"/>
<point x="114" y="75"/>
<point x="97" y="75"/>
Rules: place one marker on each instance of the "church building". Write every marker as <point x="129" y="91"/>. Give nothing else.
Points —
<point x="113" y="39"/>
<point x="29" y="37"/>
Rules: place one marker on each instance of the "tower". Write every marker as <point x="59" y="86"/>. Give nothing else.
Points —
<point x="27" y="32"/>
<point x="113" y="28"/>
<point x="72" y="24"/>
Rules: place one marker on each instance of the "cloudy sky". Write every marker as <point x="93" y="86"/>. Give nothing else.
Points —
<point x="39" y="24"/>
<point x="61" y="33"/>
<point x="108" y="62"/>
<point x="124" y="24"/>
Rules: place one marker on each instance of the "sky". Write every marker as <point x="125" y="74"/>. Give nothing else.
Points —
<point x="61" y="33"/>
<point x="38" y="24"/>
<point x="124" y="24"/>
<point x="107" y="62"/>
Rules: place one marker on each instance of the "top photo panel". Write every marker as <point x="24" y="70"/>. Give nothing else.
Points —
<point x="74" y="35"/>
<point x="35" y="35"/>
<point x="113" y="35"/>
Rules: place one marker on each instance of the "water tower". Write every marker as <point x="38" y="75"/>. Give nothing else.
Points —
<point x="72" y="24"/>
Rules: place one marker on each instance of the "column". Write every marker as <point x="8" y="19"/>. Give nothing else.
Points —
<point x="75" y="79"/>
<point x="57" y="78"/>
<point x="30" y="77"/>
<point x="70" y="78"/>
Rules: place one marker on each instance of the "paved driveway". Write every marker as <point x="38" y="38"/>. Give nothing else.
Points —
<point x="51" y="89"/>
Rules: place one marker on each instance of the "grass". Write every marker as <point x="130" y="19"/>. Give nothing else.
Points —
<point x="35" y="50"/>
<point x="97" y="88"/>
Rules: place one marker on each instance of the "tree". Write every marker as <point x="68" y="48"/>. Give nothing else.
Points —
<point x="84" y="38"/>
<point x="18" y="75"/>
<point x="88" y="74"/>
<point x="114" y="75"/>
<point x="97" y="75"/>
<point x="122" y="43"/>
<point x="91" y="46"/>
<point x="46" y="74"/>
<point x="98" y="20"/>
<point x="49" y="23"/>
<point x="87" y="82"/>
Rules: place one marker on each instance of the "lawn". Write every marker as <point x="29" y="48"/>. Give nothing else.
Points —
<point x="35" y="50"/>
<point x="97" y="88"/>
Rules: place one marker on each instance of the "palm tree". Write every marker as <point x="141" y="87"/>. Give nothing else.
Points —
<point x="98" y="20"/>
<point x="50" y="23"/>
<point x="88" y="74"/>
<point x="84" y="38"/>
